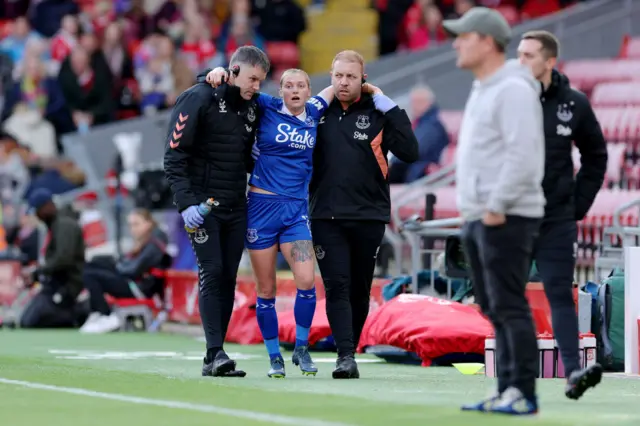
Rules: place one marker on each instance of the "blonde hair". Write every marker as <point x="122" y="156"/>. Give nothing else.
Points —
<point x="349" y="56"/>
<point x="292" y="71"/>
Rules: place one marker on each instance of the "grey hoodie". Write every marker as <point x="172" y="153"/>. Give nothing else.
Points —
<point x="500" y="156"/>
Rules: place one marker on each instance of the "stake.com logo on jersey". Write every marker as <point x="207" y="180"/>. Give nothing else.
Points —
<point x="287" y="133"/>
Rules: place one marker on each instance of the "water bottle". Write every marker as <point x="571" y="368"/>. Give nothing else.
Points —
<point x="204" y="208"/>
<point x="154" y="327"/>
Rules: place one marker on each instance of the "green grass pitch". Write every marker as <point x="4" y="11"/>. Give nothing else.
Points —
<point x="52" y="378"/>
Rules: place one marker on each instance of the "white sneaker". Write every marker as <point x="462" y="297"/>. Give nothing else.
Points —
<point x="91" y="319"/>
<point x="104" y="324"/>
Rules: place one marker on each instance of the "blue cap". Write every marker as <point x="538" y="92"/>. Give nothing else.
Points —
<point x="39" y="198"/>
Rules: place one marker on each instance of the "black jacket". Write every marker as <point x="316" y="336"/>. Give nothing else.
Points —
<point x="568" y="118"/>
<point x="208" y="147"/>
<point x="64" y="257"/>
<point x="350" y="169"/>
<point x="138" y="266"/>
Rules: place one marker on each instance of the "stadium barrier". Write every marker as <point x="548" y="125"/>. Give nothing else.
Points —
<point x="632" y="310"/>
<point x="182" y="294"/>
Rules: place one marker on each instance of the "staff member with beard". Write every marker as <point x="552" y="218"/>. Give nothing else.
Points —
<point x="349" y="197"/>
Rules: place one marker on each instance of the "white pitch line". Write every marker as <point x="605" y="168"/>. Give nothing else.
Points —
<point x="231" y="412"/>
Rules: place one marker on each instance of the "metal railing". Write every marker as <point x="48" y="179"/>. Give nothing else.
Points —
<point x="611" y="255"/>
<point x="410" y="193"/>
<point x="415" y="232"/>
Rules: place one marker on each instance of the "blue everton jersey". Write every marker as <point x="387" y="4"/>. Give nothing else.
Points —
<point x="285" y="144"/>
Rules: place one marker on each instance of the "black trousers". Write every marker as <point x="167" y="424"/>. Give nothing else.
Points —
<point x="554" y="256"/>
<point x="99" y="280"/>
<point x="218" y="245"/>
<point x="43" y="312"/>
<point x="499" y="258"/>
<point x="346" y="253"/>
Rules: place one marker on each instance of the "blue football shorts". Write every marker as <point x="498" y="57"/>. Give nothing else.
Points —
<point x="275" y="219"/>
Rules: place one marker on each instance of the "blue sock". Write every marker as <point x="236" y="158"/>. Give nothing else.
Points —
<point x="268" y="323"/>
<point x="303" y="311"/>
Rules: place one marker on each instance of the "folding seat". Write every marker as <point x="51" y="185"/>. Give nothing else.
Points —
<point x="630" y="47"/>
<point x="616" y="94"/>
<point x="452" y="121"/>
<point x="616" y="153"/>
<point x="587" y="73"/>
<point x="510" y="13"/>
<point x="607" y="118"/>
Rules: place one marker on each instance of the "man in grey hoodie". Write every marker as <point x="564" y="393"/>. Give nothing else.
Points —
<point x="500" y="166"/>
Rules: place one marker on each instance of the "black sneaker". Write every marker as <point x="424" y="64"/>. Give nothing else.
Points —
<point x="581" y="380"/>
<point x="221" y="366"/>
<point x="346" y="368"/>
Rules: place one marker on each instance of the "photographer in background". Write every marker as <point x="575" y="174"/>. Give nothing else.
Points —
<point x="60" y="272"/>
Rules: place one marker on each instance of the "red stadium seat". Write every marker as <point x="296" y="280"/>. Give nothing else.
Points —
<point x="589" y="72"/>
<point x="590" y="229"/>
<point x="620" y="124"/>
<point x="536" y="8"/>
<point x="283" y="54"/>
<point x="616" y="152"/>
<point x="448" y="157"/>
<point x="630" y="48"/>
<point x="632" y="177"/>
<point x="452" y="121"/>
<point x="277" y="74"/>
<point x="6" y="27"/>
<point x="510" y="13"/>
<point x="615" y="94"/>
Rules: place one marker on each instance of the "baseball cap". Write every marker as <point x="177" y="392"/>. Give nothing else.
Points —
<point x="39" y="198"/>
<point x="481" y="20"/>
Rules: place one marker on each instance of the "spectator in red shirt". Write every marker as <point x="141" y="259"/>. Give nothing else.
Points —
<point x="65" y="39"/>
<point x="422" y="26"/>
<point x="101" y="14"/>
<point x="197" y="49"/>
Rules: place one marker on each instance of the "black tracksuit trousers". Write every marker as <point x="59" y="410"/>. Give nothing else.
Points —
<point x="555" y="259"/>
<point x="499" y="258"/>
<point x="218" y="245"/>
<point x="346" y="251"/>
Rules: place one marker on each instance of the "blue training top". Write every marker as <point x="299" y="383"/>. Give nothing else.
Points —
<point x="284" y="145"/>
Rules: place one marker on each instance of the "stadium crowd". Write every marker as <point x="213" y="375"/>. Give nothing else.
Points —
<point x="66" y="66"/>
<point x="412" y="25"/>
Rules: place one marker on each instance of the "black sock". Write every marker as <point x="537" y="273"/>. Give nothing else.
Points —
<point x="212" y="352"/>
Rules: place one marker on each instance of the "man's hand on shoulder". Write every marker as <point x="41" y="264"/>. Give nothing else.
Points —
<point x="217" y="76"/>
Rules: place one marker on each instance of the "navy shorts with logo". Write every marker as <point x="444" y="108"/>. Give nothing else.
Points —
<point x="275" y="219"/>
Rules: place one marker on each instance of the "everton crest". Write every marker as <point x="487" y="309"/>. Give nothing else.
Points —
<point x="252" y="235"/>
<point x="564" y="112"/>
<point x="363" y="122"/>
